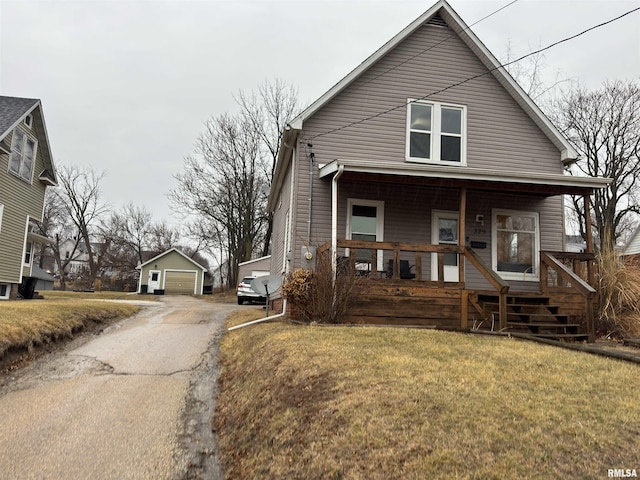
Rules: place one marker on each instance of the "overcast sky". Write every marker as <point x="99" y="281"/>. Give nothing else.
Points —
<point x="126" y="86"/>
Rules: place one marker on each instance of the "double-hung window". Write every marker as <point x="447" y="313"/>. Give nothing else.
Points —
<point x="516" y="244"/>
<point x="23" y="155"/>
<point x="436" y="132"/>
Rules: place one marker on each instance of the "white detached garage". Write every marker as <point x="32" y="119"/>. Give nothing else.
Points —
<point x="171" y="273"/>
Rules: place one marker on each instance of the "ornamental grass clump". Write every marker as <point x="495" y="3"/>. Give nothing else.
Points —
<point x="619" y="295"/>
<point x="313" y="296"/>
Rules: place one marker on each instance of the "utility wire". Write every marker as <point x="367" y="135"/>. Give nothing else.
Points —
<point x="440" y="42"/>
<point x="475" y="76"/>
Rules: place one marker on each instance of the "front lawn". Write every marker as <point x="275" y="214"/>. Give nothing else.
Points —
<point x="361" y="403"/>
<point x="25" y="324"/>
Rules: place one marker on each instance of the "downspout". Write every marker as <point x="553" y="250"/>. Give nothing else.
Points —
<point x="289" y="241"/>
<point x="334" y="220"/>
<point x="265" y="319"/>
<point x="311" y="157"/>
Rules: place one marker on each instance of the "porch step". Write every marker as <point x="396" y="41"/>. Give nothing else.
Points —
<point x="563" y="336"/>
<point x="532" y="314"/>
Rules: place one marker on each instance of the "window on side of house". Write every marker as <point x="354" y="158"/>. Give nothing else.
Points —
<point x="28" y="253"/>
<point x="23" y="155"/>
<point x="5" y="290"/>
<point x="436" y="133"/>
<point x="1" y="212"/>
<point x="366" y="222"/>
<point x="516" y="244"/>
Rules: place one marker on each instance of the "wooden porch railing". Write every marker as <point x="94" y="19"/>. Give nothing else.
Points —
<point x="395" y="250"/>
<point x="567" y="278"/>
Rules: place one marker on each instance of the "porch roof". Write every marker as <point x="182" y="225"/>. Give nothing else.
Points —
<point x="473" y="178"/>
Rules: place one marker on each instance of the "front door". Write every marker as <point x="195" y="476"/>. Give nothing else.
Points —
<point x="444" y="230"/>
<point x="154" y="281"/>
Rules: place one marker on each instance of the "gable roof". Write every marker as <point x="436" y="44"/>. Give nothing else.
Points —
<point x="446" y="13"/>
<point x="14" y="110"/>
<point x="167" y="253"/>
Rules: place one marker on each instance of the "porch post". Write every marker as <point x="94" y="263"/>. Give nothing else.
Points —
<point x="334" y="222"/>
<point x="589" y="237"/>
<point x="464" y="297"/>
<point x="461" y="231"/>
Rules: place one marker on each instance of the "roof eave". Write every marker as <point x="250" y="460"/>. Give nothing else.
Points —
<point x="462" y="173"/>
<point x="287" y="144"/>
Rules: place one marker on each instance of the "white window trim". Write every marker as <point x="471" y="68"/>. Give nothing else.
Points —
<point x="30" y="252"/>
<point x="1" y="212"/>
<point x="530" y="277"/>
<point x="379" y="204"/>
<point x="436" y="116"/>
<point x="7" y="293"/>
<point x="18" y="174"/>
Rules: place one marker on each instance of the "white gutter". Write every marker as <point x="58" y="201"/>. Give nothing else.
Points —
<point x="265" y="319"/>
<point x="334" y="220"/>
<point x="462" y="173"/>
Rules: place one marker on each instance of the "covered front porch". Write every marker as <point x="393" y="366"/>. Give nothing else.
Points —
<point x="473" y="249"/>
<point x="400" y="294"/>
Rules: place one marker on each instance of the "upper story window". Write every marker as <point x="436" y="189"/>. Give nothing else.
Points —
<point x="436" y="133"/>
<point x="28" y="121"/>
<point x="23" y="155"/>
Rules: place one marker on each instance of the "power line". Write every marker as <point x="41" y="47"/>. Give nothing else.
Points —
<point x="475" y="76"/>
<point x="440" y="42"/>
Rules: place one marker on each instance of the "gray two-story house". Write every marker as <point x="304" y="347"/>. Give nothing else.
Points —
<point x="26" y="170"/>
<point x="435" y="176"/>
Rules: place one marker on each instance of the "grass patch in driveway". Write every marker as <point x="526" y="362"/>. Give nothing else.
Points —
<point x="104" y="295"/>
<point x="28" y="323"/>
<point x="335" y="402"/>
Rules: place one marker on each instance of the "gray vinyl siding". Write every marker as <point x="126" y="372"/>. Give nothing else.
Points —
<point x="21" y="200"/>
<point x="500" y="136"/>
<point x="279" y="226"/>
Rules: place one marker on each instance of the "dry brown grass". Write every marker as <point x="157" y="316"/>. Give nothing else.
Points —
<point x="29" y="323"/>
<point x="375" y="403"/>
<point x="59" y="294"/>
<point x="619" y="296"/>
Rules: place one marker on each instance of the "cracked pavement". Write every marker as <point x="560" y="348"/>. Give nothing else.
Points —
<point x="133" y="402"/>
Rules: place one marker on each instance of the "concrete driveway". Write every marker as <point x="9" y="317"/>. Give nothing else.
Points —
<point x="134" y="402"/>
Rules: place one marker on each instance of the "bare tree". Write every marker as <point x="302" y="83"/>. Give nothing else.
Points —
<point x="604" y="126"/>
<point x="80" y="193"/>
<point x="223" y="187"/>
<point x="269" y="111"/>
<point x="56" y="225"/>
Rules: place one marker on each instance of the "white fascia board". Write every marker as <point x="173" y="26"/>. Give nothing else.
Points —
<point x="462" y="173"/>
<point x="287" y="144"/>
<point x="254" y="260"/>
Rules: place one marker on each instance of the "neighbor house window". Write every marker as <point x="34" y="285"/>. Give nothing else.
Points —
<point x="5" y="290"/>
<point x="436" y="132"/>
<point x="516" y="244"/>
<point x="28" y="253"/>
<point x="366" y="222"/>
<point x="28" y="121"/>
<point x="23" y="155"/>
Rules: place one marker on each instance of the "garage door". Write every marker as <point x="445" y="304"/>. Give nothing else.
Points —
<point x="179" y="282"/>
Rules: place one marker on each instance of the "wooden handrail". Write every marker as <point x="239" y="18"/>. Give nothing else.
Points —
<point x="498" y="283"/>
<point x="402" y="247"/>
<point x="588" y="292"/>
<point x="324" y="247"/>
<point x="567" y="275"/>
